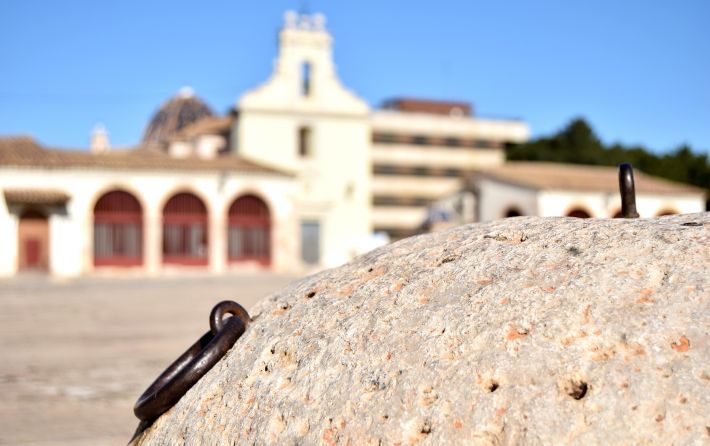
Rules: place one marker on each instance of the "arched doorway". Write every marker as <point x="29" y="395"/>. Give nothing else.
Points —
<point x="249" y="230"/>
<point x="185" y="240"/>
<point x="512" y="212"/>
<point x="578" y="213"/>
<point x="666" y="211"/>
<point x="33" y="241"/>
<point x="118" y="230"/>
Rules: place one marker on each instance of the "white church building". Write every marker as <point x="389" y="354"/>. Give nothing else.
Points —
<point x="300" y="174"/>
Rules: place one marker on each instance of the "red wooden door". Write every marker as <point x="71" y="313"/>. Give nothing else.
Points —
<point x="32" y="253"/>
<point x="33" y="241"/>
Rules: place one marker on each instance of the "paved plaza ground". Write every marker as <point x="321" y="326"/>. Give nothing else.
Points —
<point x="75" y="356"/>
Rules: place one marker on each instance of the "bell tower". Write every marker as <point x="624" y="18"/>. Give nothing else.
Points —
<point x="304" y="76"/>
<point x="305" y="54"/>
<point x="303" y="120"/>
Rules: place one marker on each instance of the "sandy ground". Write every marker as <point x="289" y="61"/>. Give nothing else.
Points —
<point x="75" y="356"/>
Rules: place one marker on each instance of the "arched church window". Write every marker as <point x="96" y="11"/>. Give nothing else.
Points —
<point x="306" y="87"/>
<point x="305" y="148"/>
<point x="118" y="230"/>
<point x="578" y="213"/>
<point x="666" y="211"/>
<point x="249" y="230"/>
<point x="185" y="238"/>
<point x="513" y="212"/>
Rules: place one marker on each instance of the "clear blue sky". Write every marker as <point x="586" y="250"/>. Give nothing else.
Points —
<point x="639" y="71"/>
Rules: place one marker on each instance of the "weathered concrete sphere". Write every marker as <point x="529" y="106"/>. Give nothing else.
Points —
<point x="521" y="331"/>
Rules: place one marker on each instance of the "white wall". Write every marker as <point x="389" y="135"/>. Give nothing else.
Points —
<point x="333" y="182"/>
<point x="208" y="146"/>
<point x="496" y="198"/>
<point x="450" y="126"/>
<point x="415" y="186"/>
<point x="399" y="217"/>
<point x="650" y="206"/>
<point x="605" y="204"/>
<point x="8" y="238"/>
<point x="436" y="156"/>
<point x="70" y="238"/>
<point x="559" y="203"/>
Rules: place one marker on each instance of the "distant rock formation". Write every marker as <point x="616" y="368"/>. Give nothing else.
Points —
<point x="520" y="331"/>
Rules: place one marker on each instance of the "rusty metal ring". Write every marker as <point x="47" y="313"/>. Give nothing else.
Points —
<point x="192" y="365"/>
<point x="226" y="307"/>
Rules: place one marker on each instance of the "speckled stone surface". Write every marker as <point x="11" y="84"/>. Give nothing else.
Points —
<point x="520" y="331"/>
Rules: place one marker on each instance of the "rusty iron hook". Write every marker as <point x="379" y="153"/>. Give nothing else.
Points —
<point x="627" y="191"/>
<point x="192" y="365"/>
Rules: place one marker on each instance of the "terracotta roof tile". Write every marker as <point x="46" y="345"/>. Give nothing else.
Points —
<point x="36" y="196"/>
<point x="214" y="125"/>
<point x="25" y="152"/>
<point x="556" y="176"/>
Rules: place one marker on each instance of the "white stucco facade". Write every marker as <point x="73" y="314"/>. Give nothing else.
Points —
<point x="71" y="229"/>
<point x="554" y="190"/>
<point x="495" y="199"/>
<point x="607" y="204"/>
<point x="448" y="125"/>
<point x="498" y="198"/>
<point x="333" y="169"/>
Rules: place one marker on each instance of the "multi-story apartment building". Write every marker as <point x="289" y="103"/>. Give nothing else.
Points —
<point x="422" y="150"/>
